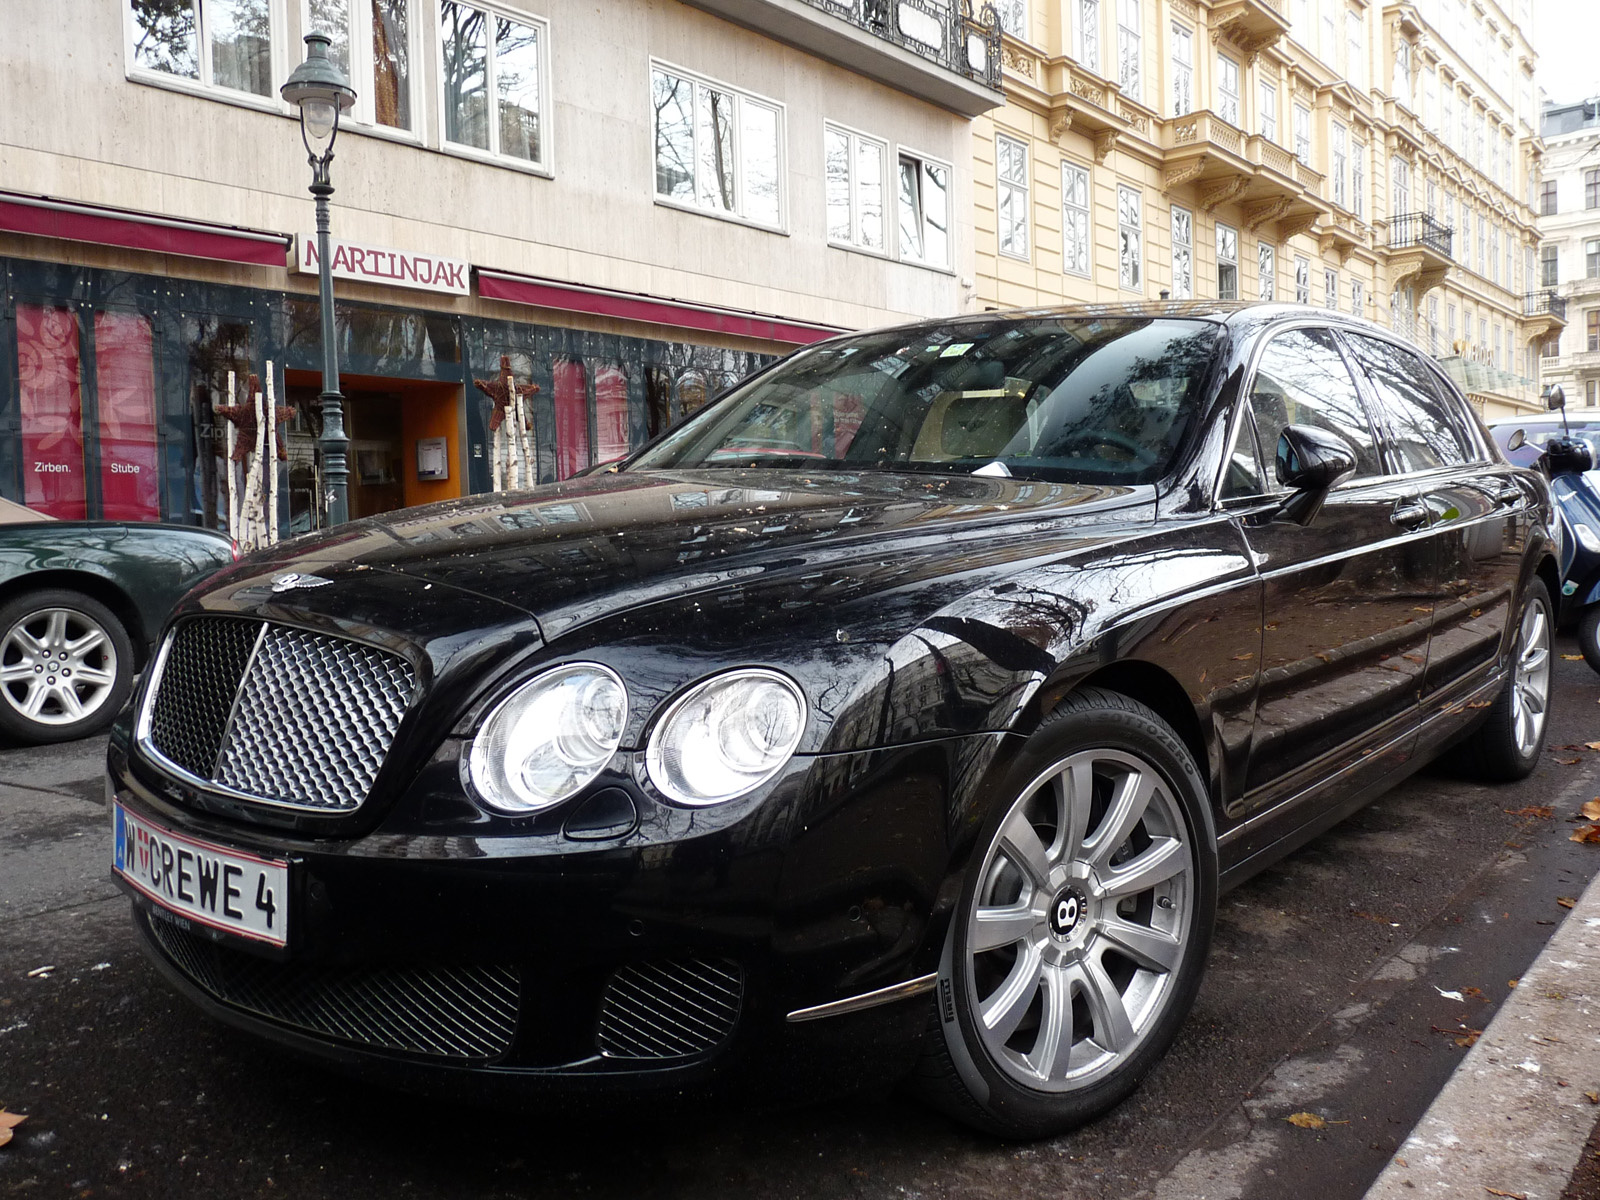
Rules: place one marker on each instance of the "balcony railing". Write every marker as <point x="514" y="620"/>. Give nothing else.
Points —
<point x="947" y="32"/>
<point x="1536" y="304"/>
<point x="1419" y="229"/>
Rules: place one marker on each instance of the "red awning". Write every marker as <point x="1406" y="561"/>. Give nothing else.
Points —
<point x="44" y="217"/>
<point x="653" y="310"/>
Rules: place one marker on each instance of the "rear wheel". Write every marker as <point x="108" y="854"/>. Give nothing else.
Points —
<point x="1507" y="745"/>
<point x="1082" y="931"/>
<point x="66" y="666"/>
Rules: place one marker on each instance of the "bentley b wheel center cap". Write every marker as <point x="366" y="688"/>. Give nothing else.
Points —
<point x="1067" y="912"/>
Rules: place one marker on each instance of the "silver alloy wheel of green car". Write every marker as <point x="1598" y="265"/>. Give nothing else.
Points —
<point x="58" y="666"/>
<point x="1530" y="689"/>
<point x="1080" y="920"/>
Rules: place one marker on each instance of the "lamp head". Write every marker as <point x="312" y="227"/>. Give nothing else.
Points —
<point x="321" y="91"/>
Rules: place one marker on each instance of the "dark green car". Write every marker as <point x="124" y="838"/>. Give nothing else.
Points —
<point x="80" y="602"/>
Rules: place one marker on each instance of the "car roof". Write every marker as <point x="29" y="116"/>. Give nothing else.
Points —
<point x="1220" y="312"/>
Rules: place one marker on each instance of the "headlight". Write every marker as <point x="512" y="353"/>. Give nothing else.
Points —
<point x="726" y="736"/>
<point x="549" y="738"/>
<point x="1586" y="537"/>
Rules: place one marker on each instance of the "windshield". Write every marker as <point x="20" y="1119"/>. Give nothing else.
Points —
<point x="1090" y="400"/>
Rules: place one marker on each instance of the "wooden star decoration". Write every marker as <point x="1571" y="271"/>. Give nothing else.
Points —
<point x="501" y="389"/>
<point x="244" y="417"/>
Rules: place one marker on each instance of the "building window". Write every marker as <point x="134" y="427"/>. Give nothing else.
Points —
<point x="1450" y="327"/>
<point x="1549" y="264"/>
<point x="1494" y="254"/>
<point x="1591" y="189"/>
<point x="1011" y="183"/>
<point x="1358" y="179"/>
<point x="1400" y="173"/>
<point x="1182" y="254"/>
<point x="1433" y="324"/>
<point x="372" y="44"/>
<point x="1267" y="264"/>
<point x="1447" y="115"/>
<point x="1227" y="262"/>
<point x="1330" y="288"/>
<point x="493" y="73"/>
<point x="1014" y="17"/>
<point x="1402" y="71"/>
<point x="1182" y="70"/>
<point x="1128" y="47"/>
<point x="1483" y="238"/>
<point x="1086" y="34"/>
<point x="1302" y="281"/>
<point x="214" y="43"/>
<point x="1269" y="112"/>
<point x="1591" y="258"/>
<point x="1130" y="239"/>
<point x="1551" y="347"/>
<point x="717" y="149"/>
<point x="1355" y="297"/>
<point x="1076" y="230"/>
<point x="1591" y="320"/>
<point x="1591" y="392"/>
<point x="1355" y="55"/>
<point x="924" y="211"/>
<point x="1302" y="133"/>
<point x="1227" y="89"/>
<point x="1338" y="166"/>
<point x="853" y="167"/>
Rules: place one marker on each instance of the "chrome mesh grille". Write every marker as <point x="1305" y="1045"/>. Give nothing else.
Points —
<point x="443" y="1012"/>
<point x="669" y="1009"/>
<point x="279" y="714"/>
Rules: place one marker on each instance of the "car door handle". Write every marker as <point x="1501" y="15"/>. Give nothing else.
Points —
<point x="1409" y="514"/>
<point x="1509" y="493"/>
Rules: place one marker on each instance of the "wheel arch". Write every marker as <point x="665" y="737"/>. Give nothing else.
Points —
<point x="96" y="587"/>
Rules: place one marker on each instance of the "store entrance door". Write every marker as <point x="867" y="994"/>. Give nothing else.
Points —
<point x="405" y="445"/>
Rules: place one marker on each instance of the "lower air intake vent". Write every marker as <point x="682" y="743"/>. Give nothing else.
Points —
<point x="444" y="1012"/>
<point x="670" y="1009"/>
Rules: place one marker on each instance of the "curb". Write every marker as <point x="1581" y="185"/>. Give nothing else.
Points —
<point x="1514" y="1117"/>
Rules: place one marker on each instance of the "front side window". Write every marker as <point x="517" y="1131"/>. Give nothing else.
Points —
<point x="1227" y="262"/>
<point x="1302" y="281"/>
<point x="1182" y="69"/>
<point x="1086" y="34"/>
<point x="1424" y="431"/>
<point x="1302" y="379"/>
<point x="717" y="149"/>
<point x="371" y="42"/>
<point x="215" y="43"/>
<point x="493" y="75"/>
<point x="1269" y="112"/>
<point x="1267" y="264"/>
<point x="853" y="166"/>
<point x="1071" y="399"/>
<point x="1227" y="89"/>
<point x="1011" y="184"/>
<point x="1182" y="254"/>
<point x="1076" y="230"/>
<point x="924" y="210"/>
<point x="1128" y="41"/>
<point x="1130" y="238"/>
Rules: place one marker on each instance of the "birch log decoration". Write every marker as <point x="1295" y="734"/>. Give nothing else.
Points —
<point x="228" y="463"/>
<point x="271" y="461"/>
<point x="256" y="512"/>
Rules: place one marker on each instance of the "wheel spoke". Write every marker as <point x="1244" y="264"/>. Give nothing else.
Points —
<point x="56" y="630"/>
<point x="37" y="695"/>
<point x="996" y="926"/>
<point x="1052" y="1053"/>
<point x="69" y="702"/>
<point x="1129" y="799"/>
<point x="1022" y="846"/>
<point x="1003" y="1011"/>
<point x="26" y="642"/>
<point x="1158" y="862"/>
<point x="1152" y="949"/>
<point x="1075" y="797"/>
<point x="92" y="640"/>
<point x="94" y="676"/>
<point x="1113" y="1030"/>
<point x="1532" y="699"/>
<point x="16" y="672"/>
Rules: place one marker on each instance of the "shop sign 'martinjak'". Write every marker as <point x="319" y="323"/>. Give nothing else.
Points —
<point x="377" y="264"/>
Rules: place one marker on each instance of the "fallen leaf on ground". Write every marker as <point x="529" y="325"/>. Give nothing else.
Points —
<point x="1591" y="809"/>
<point x="1306" y="1120"/>
<point x="1569" y="762"/>
<point x="8" y="1122"/>
<point x="1479" y="704"/>
<point x="1508" y="1195"/>
<point x="1591" y="745"/>
<point x="1573" y="657"/>
<point x="1469" y="1039"/>
<point x="1243" y="657"/>
<point x="1448" y="995"/>
<point x="1511" y="983"/>
<point x="1592" y="1097"/>
<point x="1401" y="1162"/>
<point x="1567" y="901"/>
<point x="1589" y="833"/>
<point x="1536" y="810"/>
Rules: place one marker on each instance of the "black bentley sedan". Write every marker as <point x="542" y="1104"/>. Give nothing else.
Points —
<point x="904" y="711"/>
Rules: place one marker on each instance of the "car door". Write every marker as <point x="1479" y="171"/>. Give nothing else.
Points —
<point x="1347" y="597"/>
<point x="1477" y="511"/>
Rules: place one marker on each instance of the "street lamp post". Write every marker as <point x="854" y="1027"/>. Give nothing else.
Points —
<point x="322" y="93"/>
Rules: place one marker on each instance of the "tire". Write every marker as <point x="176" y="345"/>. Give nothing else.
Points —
<point x="1077" y="950"/>
<point x="1589" y="636"/>
<point x="66" y="666"/>
<point x="1506" y="746"/>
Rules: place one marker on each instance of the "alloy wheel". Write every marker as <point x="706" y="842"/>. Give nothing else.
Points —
<point x="57" y="666"/>
<point x="1080" y="920"/>
<point x="1530" y="690"/>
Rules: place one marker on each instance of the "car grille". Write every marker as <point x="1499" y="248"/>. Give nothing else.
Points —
<point x="443" y="1012"/>
<point x="276" y="713"/>
<point x="669" y="1009"/>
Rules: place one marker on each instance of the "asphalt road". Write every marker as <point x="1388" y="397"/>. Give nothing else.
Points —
<point x="1323" y="995"/>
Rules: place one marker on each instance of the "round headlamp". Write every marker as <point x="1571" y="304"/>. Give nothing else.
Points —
<point x="548" y="739"/>
<point x="1586" y="537"/>
<point x="726" y="736"/>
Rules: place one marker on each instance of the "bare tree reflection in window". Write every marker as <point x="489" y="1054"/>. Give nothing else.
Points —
<point x="464" y="37"/>
<point x="332" y="17"/>
<point x="241" y="44"/>
<point x="166" y="37"/>
<point x="391" y="63"/>
<point x="759" y="136"/>
<point x="1303" y="380"/>
<point x="516" y="74"/>
<point x="715" y="137"/>
<point x="673" y="99"/>
<point x="692" y="392"/>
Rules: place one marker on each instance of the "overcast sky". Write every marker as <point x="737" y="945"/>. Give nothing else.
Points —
<point x="1566" y="34"/>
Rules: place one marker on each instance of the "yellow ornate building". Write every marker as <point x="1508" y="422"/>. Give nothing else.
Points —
<point x="1375" y="158"/>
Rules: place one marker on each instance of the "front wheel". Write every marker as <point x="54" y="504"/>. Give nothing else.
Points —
<point x="1083" y="926"/>
<point x="1506" y="746"/>
<point x="66" y="666"/>
<point x="1589" y="636"/>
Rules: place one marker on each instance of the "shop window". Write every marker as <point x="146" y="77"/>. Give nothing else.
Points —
<point x="494" y="82"/>
<point x="853" y="164"/>
<point x="717" y="149"/>
<point x="50" y="384"/>
<point x="216" y="346"/>
<point x="571" y="395"/>
<point x="611" y="413"/>
<point x="372" y="42"/>
<point x="224" y="44"/>
<point x="924" y="210"/>
<point x="125" y="392"/>
<point x="657" y="400"/>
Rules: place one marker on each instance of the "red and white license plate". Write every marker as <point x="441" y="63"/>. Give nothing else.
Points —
<point x="225" y="889"/>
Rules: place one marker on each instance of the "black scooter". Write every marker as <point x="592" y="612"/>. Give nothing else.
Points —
<point x="1568" y="461"/>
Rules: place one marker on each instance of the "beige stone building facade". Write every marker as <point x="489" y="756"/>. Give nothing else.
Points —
<point x="1375" y="158"/>
<point x="1569" y="255"/>
<point x="635" y="202"/>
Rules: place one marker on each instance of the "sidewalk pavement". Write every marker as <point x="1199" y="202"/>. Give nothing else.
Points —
<point x="1516" y="1114"/>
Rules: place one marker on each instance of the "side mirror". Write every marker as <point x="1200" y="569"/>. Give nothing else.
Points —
<point x="1554" y="398"/>
<point x="1313" y="462"/>
<point x="1517" y="440"/>
<point x="1567" y="456"/>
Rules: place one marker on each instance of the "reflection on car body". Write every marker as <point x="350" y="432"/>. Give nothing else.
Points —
<point x="810" y="726"/>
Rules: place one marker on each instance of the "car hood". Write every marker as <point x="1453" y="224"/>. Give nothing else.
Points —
<point x="573" y="552"/>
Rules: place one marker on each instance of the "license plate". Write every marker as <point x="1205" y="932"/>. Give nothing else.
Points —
<point x="219" y="887"/>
